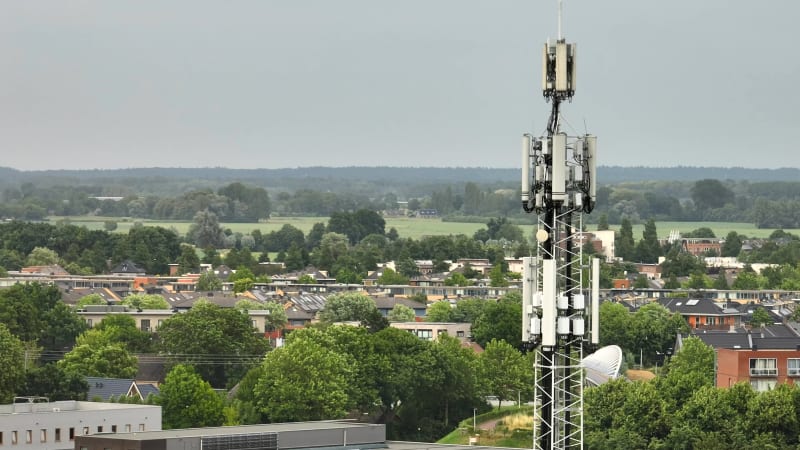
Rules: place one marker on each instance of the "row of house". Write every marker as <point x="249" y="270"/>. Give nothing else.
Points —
<point x="764" y="356"/>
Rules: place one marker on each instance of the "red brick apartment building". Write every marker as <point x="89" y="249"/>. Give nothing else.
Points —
<point x="763" y="369"/>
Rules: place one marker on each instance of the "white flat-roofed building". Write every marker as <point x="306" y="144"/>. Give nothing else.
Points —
<point x="432" y="330"/>
<point x="43" y="425"/>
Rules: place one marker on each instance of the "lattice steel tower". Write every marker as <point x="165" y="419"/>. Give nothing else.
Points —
<point x="559" y="185"/>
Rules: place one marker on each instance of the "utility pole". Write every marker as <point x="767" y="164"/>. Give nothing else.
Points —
<point x="559" y="186"/>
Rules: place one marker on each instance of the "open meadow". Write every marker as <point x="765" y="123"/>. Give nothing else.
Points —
<point x="413" y="227"/>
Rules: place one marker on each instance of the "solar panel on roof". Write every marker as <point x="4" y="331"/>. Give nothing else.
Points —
<point x="692" y="302"/>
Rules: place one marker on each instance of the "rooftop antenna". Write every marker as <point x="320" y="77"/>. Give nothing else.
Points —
<point x="559" y="186"/>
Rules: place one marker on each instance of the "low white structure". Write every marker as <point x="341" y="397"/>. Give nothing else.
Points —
<point x="603" y="365"/>
<point x="42" y="425"/>
<point x="432" y="330"/>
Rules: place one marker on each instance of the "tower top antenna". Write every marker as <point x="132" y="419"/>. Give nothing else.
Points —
<point x="560" y="36"/>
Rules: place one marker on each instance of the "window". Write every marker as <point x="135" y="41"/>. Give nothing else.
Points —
<point x="127" y="428"/>
<point x="763" y="385"/>
<point x="1" y="438"/>
<point x="99" y="428"/>
<point x="460" y="333"/>
<point x="28" y="436"/>
<point x="89" y="322"/>
<point x="763" y="367"/>
<point x="425" y="334"/>
<point x="160" y="322"/>
<point x="141" y="427"/>
<point x="85" y="431"/>
<point x="711" y="320"/>
<point x="71" y="434"/>
<point x="793" y="367"/>
<point x="14" y="437"/>
<point x="42" y="435"/>
<point x="441" y="332"/>
<point x="113" y="428"/>
<point x="145" y="325"/>
<point x="57" y="435"/>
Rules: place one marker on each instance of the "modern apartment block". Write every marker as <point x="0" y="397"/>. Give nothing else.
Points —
<point x="329" y="435"/>
<point x="42" y="425"/>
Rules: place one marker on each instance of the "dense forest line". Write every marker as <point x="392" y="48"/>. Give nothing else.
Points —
<point x="398" y="175"/>
<point x="767" y="204"/>
<point x="459" y="194"/>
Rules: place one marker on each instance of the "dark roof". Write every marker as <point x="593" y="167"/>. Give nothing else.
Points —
<point x="775" y="331"/>
<point x="185" y="300"/>
<point x="770" y="337"/>
<point x="725" y="340"/>
<point x="72" y="296"/>
<point x="263" y="295"/>
<point x="776" y="343"/>
<point x="146" y="389"/>
<point x="105" y="388"/>
<point x="127" y="266"/>
<point x="696" y="306"/>
<point x="295" y="313"/>
<point x="309" y="303"/>
<point x="389" y="302"/>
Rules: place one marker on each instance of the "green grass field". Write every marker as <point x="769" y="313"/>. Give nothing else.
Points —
<point x="417" y="228"/>
<point x="406" y="227"/>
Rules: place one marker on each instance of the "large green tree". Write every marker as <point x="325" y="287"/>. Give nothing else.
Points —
<point x="118" y="329"/>
<point x="648" y="249"/>
<point x="732" y="245"/>
<point x="615" y="324"/>
<point x="653" y="330"/>
<point x="208" y="281"/>
<point x="188" y="261"/>
<point x="110" y="360"/>
<point x="152" y="248"/>
<point x="347" y="307"/>
<point x="303" y="381"/>
<point x="440" y="311"/>
<point x="357" y="225"/>
<point x="332" y="246"/>
<point x="625" y="247"/>
<point x="401" y="313"/>
<point x="220" y="342"/>
<point x="12" y="359"/>
<point x="53" y="382"/>
<point x="187" y="401"/>
<point x="42" y="256"/>
<point x="145" y="301"/>
<point x="503" y="370"/>
<point x="390" y="277"/>
<point x="246" y="203"/>
<point x="690" y="369"/>
<point x="710" y="194"/>
<point x="206" y="231"/>
<point x="34" y="313"/>
<point x="501" y="320"/>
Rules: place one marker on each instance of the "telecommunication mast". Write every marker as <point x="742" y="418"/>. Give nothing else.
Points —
<point x="558" y="323"/>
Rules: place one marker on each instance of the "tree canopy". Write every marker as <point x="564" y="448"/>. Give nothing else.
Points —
<point x="12" y="358"/>
<point x="187" y="401"/>
<point x="220" y="342"/>
<point x="347" y="307"/>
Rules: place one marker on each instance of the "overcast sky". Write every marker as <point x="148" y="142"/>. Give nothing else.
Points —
<point x="294" y="83"/>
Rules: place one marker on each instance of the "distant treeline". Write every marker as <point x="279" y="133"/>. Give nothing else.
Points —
<point x="392" y="175"/>
<point x="765" y="197"/>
